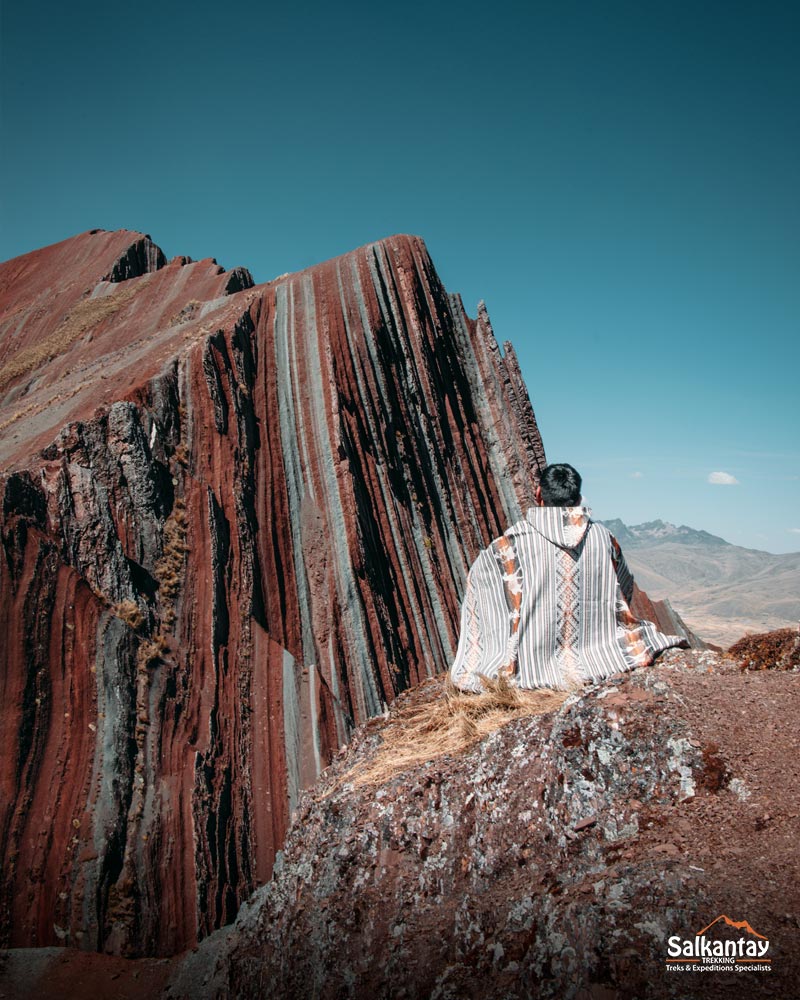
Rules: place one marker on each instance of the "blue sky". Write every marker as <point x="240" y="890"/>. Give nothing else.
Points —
<point x="619" y="182"/>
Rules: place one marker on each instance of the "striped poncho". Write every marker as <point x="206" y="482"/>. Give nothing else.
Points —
<point x="547" y="604"/>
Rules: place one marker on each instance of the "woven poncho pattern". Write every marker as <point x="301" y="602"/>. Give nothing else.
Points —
<point x="547" y="604"/>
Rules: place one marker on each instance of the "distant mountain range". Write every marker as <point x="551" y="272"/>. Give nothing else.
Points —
<point x="658" y="532"/>
<point x="722" y="590"/>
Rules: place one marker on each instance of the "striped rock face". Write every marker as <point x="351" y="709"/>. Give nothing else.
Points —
<point x="236" y="521"/>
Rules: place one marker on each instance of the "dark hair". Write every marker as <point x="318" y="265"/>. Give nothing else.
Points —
<point x="561" y="486"/>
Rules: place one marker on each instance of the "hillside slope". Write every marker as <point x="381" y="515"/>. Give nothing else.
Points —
<point x="721" y="590"/>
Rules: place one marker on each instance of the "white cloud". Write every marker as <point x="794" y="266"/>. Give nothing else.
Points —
<point x="723" y="479"/>
<point x="794" y="531"/>
<point x="637" y="475"/>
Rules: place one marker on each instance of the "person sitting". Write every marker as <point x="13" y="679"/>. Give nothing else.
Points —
<point x="548" y="603"/>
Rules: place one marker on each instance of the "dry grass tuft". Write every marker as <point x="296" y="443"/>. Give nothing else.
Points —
<point x="181" y="455"/>
<point x="448" y="725"/>
<point x="170" y="568"/>
<point x="84" y="316"/>
<point x="130" y="613"/>
<point x="151" y="651"/>
<point x="189" y="311"/>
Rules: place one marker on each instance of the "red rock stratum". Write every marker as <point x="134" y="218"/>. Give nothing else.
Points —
<point x="236" y="521"/>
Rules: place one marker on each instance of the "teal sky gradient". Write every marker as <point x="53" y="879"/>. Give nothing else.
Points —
<point x="620" y="182"/>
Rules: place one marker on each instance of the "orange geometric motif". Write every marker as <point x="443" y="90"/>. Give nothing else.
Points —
<point x="506" y="556"/>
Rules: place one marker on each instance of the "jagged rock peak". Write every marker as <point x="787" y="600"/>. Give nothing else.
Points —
<point x="141" y="257"/>
<point x="658" y="531"/>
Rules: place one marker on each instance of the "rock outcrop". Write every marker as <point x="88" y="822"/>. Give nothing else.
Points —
<point x="554" y="859"/>
<point x="236" y="522"/>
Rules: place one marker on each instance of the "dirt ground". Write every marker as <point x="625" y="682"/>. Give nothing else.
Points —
<point x="743" y="827"/>
<point x="65" y="973"/>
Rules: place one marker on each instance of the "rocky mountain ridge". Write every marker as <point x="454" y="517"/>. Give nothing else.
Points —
<point x="236" y="521"/>
<point x="723" y="591"/>
<point x="658" y="531"/>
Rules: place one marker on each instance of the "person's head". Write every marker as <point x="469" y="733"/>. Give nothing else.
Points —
<point x="559" y="486"/>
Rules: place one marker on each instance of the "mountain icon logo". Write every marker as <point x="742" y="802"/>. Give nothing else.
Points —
<point x="739" y="925"/>
<point x="748" y="951"/>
